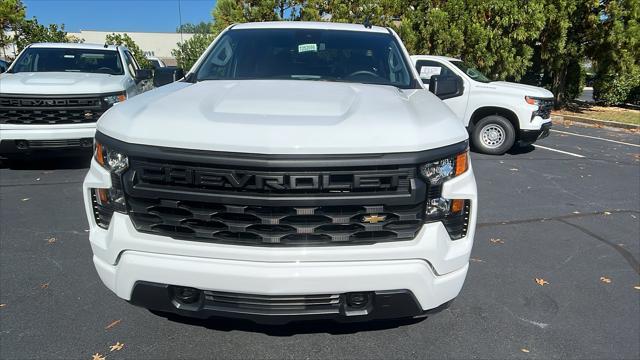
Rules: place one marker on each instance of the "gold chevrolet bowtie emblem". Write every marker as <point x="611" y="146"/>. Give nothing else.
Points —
<point x="373" y="219"/>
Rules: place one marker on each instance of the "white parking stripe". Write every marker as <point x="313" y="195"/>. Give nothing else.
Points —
<point x="594" y="137"/>
<point x="556" y="150"/>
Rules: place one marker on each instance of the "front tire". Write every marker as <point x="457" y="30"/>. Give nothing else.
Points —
<point x="493" y="135"/>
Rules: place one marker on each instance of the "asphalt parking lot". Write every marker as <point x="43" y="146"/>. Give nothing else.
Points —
<point x="565" y="212"/>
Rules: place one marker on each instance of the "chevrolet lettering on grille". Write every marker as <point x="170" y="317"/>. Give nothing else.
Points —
<point x="232" y="179"/>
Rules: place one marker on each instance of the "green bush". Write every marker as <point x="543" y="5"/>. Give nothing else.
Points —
<point x="614" y="89"/>
<point x="190" y="50"/>
<point x="126" y="40"/>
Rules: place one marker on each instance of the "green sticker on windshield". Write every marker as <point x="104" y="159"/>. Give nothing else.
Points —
<point x="307" y="47"/>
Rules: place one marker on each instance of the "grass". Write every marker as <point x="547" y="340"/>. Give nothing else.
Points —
<point x="610" y="113"/>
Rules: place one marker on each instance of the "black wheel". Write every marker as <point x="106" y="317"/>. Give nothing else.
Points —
<point x="493" y="135"/>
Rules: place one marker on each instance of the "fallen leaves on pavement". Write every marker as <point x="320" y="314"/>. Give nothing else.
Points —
<point x="476" y="260"/>
<point x="51" y="240"/>
<point x="2" y="305"/>
<point x="637" y="287"/>
<point x="44" y="286"/>
<point x="525" y="350"/>
<point x="113" y="324"/>
<point x="605" y="279"/>
<point x="541" y="282"/>
<point x="116" y="347"/>
<point x="97" y="356"/>
<point x="496" y="241"/>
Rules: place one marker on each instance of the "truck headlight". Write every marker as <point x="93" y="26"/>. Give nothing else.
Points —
<point x="533" y="100"/>
<point x="110" y="159"/>
<point x="437" y="172"/>
<point x="114" y="99"/>
<point x="106" y="201"/>
<point x="453" y="213"/>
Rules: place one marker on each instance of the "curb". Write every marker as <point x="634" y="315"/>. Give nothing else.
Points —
<point x="614" y="124"/>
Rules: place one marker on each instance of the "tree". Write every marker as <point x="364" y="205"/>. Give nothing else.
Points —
<point x="30" y="31"/>
<point x="225" y="13"/>
<point x="12" y="13"/>
<point x="562" y="47"/>
<point x="190" y="50"/>
<point x="191" y="28"/>
<point x="616" y="52"/>
<point x="493" y="35"/>
<point x="126" y="40"/>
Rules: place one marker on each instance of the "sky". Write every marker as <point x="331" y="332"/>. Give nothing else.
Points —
<point x="119" y="15"/>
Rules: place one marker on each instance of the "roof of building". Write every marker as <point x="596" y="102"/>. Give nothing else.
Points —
<point x="321" y="25"/>
<point x="74" y="46"/>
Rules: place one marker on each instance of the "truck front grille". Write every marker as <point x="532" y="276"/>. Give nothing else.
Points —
<point x="50" y="110"/>
<point x="544" y="110"/>
<point x="276" y="225"/>
<point x="276" y="200"/>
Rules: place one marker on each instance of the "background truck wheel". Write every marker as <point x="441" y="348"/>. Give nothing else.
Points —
<point x="493" y="135"/>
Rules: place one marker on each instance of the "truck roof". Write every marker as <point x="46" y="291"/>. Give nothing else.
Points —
<point x="74" y="46"/>
<point x="322" y="25"/>
<point x="425" y="57"/>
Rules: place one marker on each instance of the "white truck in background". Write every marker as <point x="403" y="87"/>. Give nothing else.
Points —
<point x="53" y="93"/>
<point x="497" y="113"/>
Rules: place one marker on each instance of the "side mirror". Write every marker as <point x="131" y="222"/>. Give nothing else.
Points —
<point x="446" y="87"/>
<point x="144" y="74"/>
<point x="167" y="75"/>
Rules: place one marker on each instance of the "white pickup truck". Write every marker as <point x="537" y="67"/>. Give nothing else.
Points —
<point x="497" y="113"/>
<point x="53" y="93"/>
<point x="288" y="176"/>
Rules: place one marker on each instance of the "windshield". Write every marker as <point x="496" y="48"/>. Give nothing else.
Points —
<point x="472" y="72"/>
<point x="304" y="54"/>
<point x="69" y="60"/>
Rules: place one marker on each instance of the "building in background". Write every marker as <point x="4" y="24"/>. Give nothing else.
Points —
<point x="156" y="44"/>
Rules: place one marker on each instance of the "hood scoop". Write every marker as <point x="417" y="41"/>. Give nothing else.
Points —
<point x="292" y="98"/>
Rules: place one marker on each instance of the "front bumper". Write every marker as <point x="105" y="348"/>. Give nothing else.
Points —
<point x="25" y="138"/>
<point x="531" y="136"/>
<point x="431" y="267"/>
<point x="420" y="288"/>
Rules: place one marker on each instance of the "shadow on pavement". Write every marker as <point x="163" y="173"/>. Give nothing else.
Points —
<point x="293" y="328"/>
<point x="47" y="161"/>
<point x="519" y="149"/>
<point x="515" y="150"/>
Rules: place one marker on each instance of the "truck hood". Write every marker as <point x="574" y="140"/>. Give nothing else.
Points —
<point x="524" y="90"/>
<point x="285" y="117"/>
<point x="60" y="83"/>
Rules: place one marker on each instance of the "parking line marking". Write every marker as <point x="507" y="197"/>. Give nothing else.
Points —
<point x="594" y="137"/>
<point x="556" y="150"/>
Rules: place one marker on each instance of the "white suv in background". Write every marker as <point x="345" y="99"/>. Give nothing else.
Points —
<point x="496" y="113"/>
<point x="53" y="93"/>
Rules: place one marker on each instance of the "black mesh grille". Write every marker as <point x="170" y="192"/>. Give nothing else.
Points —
<point x="42" y="110"/>
<point x="544" y="110"/>
<point x="273" y="304"/>
<point x="276" y="200"/>
<point x="62" y="143"/>
<point x="276" y="225"/>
